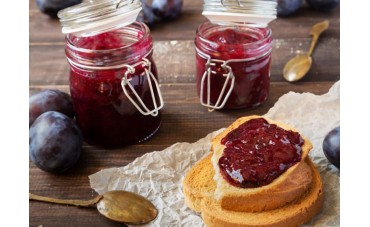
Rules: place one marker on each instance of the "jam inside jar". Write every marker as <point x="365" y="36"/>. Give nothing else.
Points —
<point x="232" y="65"/>
<point x="109" y="73"/>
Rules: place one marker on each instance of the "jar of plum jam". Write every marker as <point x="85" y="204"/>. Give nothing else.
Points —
<point x="232" y="65"/>
<point x="114" y="83"/>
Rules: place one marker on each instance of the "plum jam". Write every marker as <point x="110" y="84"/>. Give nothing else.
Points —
<point x="113" y="85"/>
<point x="257" y="152"/>
<point x="232" y="65"/>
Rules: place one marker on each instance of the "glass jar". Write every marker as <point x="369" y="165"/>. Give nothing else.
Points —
<point x="232" y="65"/>
<point x="114" y="83"/>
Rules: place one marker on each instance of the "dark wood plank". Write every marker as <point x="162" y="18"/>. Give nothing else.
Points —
<point x="175" y="61"/>
<point x="185" y="118"/>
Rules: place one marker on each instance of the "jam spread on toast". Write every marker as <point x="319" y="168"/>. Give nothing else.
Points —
<point x="258" y="152"/>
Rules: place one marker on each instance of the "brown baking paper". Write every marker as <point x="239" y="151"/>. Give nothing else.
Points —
<point x="158" y="175"/>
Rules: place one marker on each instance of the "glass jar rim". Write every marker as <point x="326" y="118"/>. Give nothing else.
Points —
<point x="97" y="16"/>
<point x="139" y="45"/>
<point x="250" y="27"/>
<point x="139" y="25"/>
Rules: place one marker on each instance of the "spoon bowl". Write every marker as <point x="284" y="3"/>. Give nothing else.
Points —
<point x="127" y="207"/>
<point x="297" y="67"/>
<point x="120" y="206"/>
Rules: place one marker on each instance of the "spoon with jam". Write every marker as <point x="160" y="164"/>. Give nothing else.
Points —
<point x="121" y="206"/>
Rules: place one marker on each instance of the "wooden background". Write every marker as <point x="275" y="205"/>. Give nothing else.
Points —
<point x="184" y="119"/>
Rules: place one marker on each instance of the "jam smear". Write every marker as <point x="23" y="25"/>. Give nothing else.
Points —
<point x="257" y="152"/>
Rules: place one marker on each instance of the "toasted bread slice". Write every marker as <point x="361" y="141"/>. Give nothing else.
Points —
<point x="256" y="199"/>
<point x="294" y="214"/>
<point x="198" y="184"/>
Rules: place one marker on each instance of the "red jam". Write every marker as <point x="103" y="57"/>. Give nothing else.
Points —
<point x="257" y="152"/>
<point x="250" y="47"/>
<point x="104" y="113"/>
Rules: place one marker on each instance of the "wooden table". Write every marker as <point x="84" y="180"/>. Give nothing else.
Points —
<point x="184" y="119"/>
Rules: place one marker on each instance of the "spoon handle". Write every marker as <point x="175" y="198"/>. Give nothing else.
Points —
<point x="81" y="203"/>
<point x="316" y="30"/>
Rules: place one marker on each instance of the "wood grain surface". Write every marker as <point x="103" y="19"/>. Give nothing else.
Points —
<point x="184" y="119"/>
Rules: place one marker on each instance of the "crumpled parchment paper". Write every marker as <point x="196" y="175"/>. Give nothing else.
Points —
<point x="158" y="175"/>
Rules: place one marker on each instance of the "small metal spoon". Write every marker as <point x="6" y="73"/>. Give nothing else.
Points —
<point x="121" y="206"/>
<point x="298" y="66"/>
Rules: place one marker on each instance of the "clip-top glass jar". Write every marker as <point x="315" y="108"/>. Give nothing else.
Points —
<point x="114" y="84"/>
<point x="232" y="65"/>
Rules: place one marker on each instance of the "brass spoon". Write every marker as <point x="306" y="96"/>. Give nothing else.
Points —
<point x="121" y="206"/>
<point x="298" y="66"/>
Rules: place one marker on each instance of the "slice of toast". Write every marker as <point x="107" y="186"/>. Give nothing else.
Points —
<point x="261" y="198"/>
<point x="296" y="213"/>
<point x="198" y="183"/>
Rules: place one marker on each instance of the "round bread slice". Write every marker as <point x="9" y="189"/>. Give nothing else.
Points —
<point x="255" y="199"/>
<point x="294" y="214"/>
<point x="198" y="183"/>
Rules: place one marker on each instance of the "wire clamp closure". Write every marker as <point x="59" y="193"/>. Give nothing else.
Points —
<point x="229" y="76"/>
<point x="140" y="106"/>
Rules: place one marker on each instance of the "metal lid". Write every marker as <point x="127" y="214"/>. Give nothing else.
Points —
<point x="97" y="16"/>
<point x="253" y="12"/>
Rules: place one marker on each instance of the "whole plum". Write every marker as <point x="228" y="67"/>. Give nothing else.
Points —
<point x="323" y="5"/>
<point x="55" y="142"/>
<point x="51" y="7"/>
<point x="50" y="100"/>
<point x="288" y="7"/>
<point x="167" y="9"/>
<point x="146" y="15"/>
<point x="331" y="146"/>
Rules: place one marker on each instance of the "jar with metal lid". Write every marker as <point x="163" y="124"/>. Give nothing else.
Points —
<point x="113" y="78"/>
<point x="232" y="65"/>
